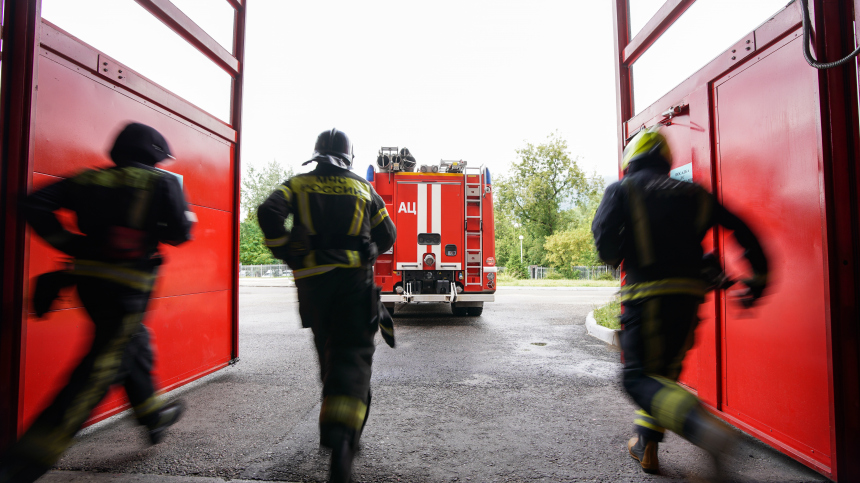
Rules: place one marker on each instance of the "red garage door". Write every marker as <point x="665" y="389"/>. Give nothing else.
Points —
<point x="776" y="140"/>
<point x="775" y="356"/>
<point x="78" y="100"/>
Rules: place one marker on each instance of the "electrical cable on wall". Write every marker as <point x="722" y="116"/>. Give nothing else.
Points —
<point x="804" y="7"/>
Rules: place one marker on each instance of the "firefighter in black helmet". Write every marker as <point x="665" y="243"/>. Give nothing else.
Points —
<point x="340" y="224"/>
<point x="655" y="225"/>
<point x="124" y="212"/>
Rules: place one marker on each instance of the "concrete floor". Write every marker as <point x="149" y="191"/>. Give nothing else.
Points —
<point x="519" y="394"/>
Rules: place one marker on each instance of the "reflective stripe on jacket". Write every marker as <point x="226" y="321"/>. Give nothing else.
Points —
<point x="118" y="273"/>
<point x="668" y="286"/>
<point x="335" y="215"/>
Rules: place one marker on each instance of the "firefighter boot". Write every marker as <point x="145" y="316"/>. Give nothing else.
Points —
<point x="712" y="436"/>
<point x="341" y="462"/>
<point x="645" y="452"/>
<point x="168" y="416"/>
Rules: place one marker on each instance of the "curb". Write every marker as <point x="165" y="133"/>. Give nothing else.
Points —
<point x="263" y="282"/>
<point x="61" y="476"/>
<point x="594" y="329"/>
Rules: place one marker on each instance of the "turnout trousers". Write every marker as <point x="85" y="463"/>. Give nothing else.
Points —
<point x="120" y="354"/>
<point x="336" y="305"/>
<point x="657" y="334"/>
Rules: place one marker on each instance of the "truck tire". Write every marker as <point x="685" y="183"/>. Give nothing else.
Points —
<point x="475" y="311"/>
<point x="459" y="311"/>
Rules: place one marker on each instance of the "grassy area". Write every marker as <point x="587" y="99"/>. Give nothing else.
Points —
<point x="607" y="315"/>
<point x="505" y="280"/>
<point x="513" y="282"/>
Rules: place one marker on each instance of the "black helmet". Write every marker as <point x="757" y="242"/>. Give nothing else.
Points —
<point x="335" y="143"/>
<point x="139" y="143"/>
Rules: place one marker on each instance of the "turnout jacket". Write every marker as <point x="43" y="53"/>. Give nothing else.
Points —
<point x="337" y="216"/>
<point x="656" y="224"/>
<point x="124" y="212"/>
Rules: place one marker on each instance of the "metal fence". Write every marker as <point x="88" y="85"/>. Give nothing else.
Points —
<point x="265" y="271"/>
<point x="596" y="272"/>
<point x="540" y="272"/>
<point x="579" y="273"/>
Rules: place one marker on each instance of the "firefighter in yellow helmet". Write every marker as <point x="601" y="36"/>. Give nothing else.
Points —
<point x="655" y="225"/>
<point x="339" y="225"/>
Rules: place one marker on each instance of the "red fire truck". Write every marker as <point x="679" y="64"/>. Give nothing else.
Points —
<point x="445" y="249"/>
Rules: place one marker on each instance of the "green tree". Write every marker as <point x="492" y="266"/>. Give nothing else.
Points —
<point x="257" y="185"/>
<point x="571" y="248"/>
<point x="574" y="246"/>
<point x="541" y="193"/>
<point x="252" y="247"/>
<point x="515" y="268"/>
<point x="507" y="236"/>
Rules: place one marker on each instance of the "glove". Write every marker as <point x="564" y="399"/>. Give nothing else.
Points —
<point x="754" y="291"/>
<point x="370" y="252"/>
<point x="712" y="273"/>
<point x="756" y="285"/>
<point x="296" y="249"/>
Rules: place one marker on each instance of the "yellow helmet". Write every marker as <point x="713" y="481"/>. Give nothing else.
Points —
<point x="647" y="142"/>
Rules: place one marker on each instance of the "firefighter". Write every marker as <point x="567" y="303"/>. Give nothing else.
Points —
<point x="124" y="212"/>
<point x="655" y="225"/>
<point x="340" y="224"/>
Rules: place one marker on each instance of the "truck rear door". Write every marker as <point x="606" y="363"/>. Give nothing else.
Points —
<point x="429" y="218"/>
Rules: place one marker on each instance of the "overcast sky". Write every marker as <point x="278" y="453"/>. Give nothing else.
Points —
<point x="468" y="79"/>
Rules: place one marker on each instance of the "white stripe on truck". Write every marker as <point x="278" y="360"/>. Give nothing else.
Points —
<point x="421" y="200"/>
<point x="437" y="219"/>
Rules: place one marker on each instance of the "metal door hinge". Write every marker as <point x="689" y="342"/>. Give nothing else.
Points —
<point x="112" y="70"/>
